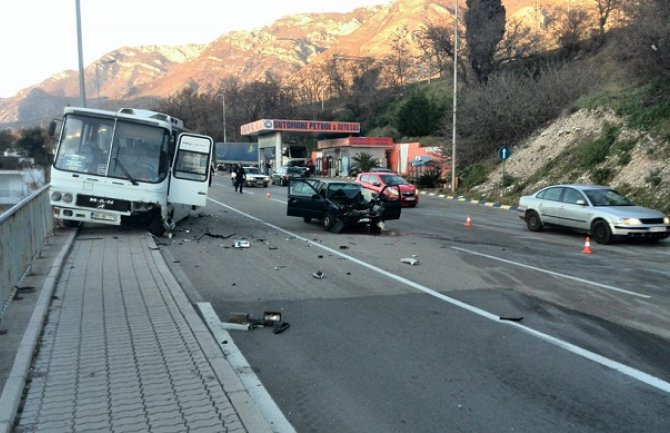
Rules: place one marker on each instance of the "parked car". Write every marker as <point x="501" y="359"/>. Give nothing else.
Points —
<point x="255" y="177"/>
<point x="596" y="210"/>
<point x="378" y="181"/>
<point x="284" y="174"/>
<point x="339" y="204"/>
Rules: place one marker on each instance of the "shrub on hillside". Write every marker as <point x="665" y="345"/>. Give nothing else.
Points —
<point x="512" y="105"/>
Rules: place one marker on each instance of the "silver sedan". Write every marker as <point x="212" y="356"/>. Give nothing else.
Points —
<point x="596" y="210"/>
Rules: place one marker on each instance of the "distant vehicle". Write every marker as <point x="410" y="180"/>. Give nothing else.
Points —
<point x="339" y="204"/>
<point x="381" y="170"/>
<point x="380" y="181"/>
<point x="597" y="210"/>
<point x="284" y="174"/>
<point x="130" y="166"/>
<point x="254" y="177"/>
<point x="229" y="154"/>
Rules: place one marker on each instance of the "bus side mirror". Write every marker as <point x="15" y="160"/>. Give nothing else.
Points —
<point x="52" y="128"/>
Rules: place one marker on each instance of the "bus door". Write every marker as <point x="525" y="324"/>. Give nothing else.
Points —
<point x="189" y="180"/>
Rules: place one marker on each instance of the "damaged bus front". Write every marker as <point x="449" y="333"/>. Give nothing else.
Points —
<point x="130" y="166"/>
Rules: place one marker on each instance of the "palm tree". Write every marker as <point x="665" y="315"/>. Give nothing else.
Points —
<point x="363" y="161"/>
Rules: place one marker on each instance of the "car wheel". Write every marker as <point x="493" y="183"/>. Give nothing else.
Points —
<point x="307" y="219"/>
<point x="601" y="232"/>
<point x="533" y="221"/>
<point x="328" y="222"/>
<point x="281" y="182"/>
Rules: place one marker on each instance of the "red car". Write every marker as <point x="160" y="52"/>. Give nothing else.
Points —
<point x="374" y="181"/>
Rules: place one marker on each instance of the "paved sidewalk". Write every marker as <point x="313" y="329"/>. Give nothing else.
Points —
<point x="123" y="350"/>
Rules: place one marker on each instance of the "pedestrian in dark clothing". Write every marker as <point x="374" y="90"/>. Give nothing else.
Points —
<point x="240" y="177"/>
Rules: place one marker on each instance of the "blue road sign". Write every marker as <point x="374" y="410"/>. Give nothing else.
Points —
<point x="504" y="152"/>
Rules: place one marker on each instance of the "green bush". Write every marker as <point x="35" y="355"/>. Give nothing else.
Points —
<point x="594" y="152"/>
<point x="419" y="116"/>
<point x="472" y="176"/>
<point x="601" y="176"/>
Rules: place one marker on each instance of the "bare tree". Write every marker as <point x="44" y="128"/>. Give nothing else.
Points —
<point x="436" y="44"/>
<point x="519" y="42"/>
<point x="605" y="8"/>
<point x="570" y="28"/>
<point x="400" y="59"/>
<point x="311" y="84"/>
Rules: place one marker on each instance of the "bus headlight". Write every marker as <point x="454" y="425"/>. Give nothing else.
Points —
<point x="67" y="197"/>
<point x="55" y="196"/>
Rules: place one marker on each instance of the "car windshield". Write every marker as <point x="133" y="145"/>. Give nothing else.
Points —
<point x="393" y="180"/>
<point x="252" y="170"/>
<point x="607" y="197"/>
<point x="349" y="190"/>
<point x="120" y="149"/>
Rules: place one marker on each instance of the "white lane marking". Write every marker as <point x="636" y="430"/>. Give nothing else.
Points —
<point x="592" y="356"/>
<point x="555" y="274"/>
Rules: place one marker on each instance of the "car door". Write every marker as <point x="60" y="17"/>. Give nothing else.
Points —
<point x="548" y="205"/>
<point x="304" y="199"/>
<point x="574" y="211"/>
<point x="390" y="208"/>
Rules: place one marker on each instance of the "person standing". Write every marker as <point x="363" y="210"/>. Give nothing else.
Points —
<point x="240" y="177"/>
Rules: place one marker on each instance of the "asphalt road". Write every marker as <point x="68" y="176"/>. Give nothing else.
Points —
<point x="381" y="346"/>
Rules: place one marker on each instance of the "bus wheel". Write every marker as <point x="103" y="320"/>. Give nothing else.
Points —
<point x="156" y="226"/>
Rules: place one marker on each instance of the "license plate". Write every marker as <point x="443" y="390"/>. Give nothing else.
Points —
<point x="409" y="198"/>
<point x="657" y="229"/>
<point x="103" y="216"/>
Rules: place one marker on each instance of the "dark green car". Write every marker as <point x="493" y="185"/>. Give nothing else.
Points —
<point x="339" y="204"/>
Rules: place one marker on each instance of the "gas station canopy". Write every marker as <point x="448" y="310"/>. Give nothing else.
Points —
<point x="268" y="126"/>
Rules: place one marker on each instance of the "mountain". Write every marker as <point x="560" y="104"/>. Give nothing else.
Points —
<point x="136" y="75"/>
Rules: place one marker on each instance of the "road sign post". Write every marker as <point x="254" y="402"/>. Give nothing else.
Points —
<point x="503" y="153"/>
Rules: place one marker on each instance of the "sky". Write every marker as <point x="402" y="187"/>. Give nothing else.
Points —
<point x="38" y="38"/>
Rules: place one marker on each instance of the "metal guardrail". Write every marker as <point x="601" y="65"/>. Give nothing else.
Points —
<point x="23" y="229"/>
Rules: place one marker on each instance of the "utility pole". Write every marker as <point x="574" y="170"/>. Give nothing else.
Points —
<point x="82" y="86"/>
<point x="453" y="126"/>
<point x="223" y="99"/>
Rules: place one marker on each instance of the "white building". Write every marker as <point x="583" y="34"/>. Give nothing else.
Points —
<point x="15" y="185"/>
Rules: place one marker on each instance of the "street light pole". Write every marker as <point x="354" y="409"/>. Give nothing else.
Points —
<point x="453" y="127"/>
<point x="82" y="87"/>
<point x="223" y="99"/>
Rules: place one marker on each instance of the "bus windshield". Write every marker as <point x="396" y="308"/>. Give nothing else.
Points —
<point x="118" y="149"/>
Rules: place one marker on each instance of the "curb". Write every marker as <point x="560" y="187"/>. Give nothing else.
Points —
<point x="472" y="201"/>
<point x="16" y="381"/>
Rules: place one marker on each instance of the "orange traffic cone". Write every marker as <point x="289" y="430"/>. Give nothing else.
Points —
<point x="468" y="222"/>
<point x="267" y="195"/>
<point x="587" y="246"/>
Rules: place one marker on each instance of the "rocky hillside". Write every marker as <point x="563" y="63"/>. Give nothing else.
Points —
<point x="633" y="162"/>
<point x="281" y="49"/>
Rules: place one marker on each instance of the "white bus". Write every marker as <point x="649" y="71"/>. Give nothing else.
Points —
<point x="131" y="166"/>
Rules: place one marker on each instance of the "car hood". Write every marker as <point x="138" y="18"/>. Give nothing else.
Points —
<point x="406" y="188"/>
<point x="627" y="212"/>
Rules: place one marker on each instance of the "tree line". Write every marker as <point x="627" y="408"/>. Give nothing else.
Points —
<point x="513" y="77"/>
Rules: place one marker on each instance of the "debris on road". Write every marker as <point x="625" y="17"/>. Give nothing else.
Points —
<point x="214" y="235"/>
<point x="512" y="319"/>
<point x="318" y="275"/>
<point x="410" y="261"/>
<point x="242" y="243"/>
